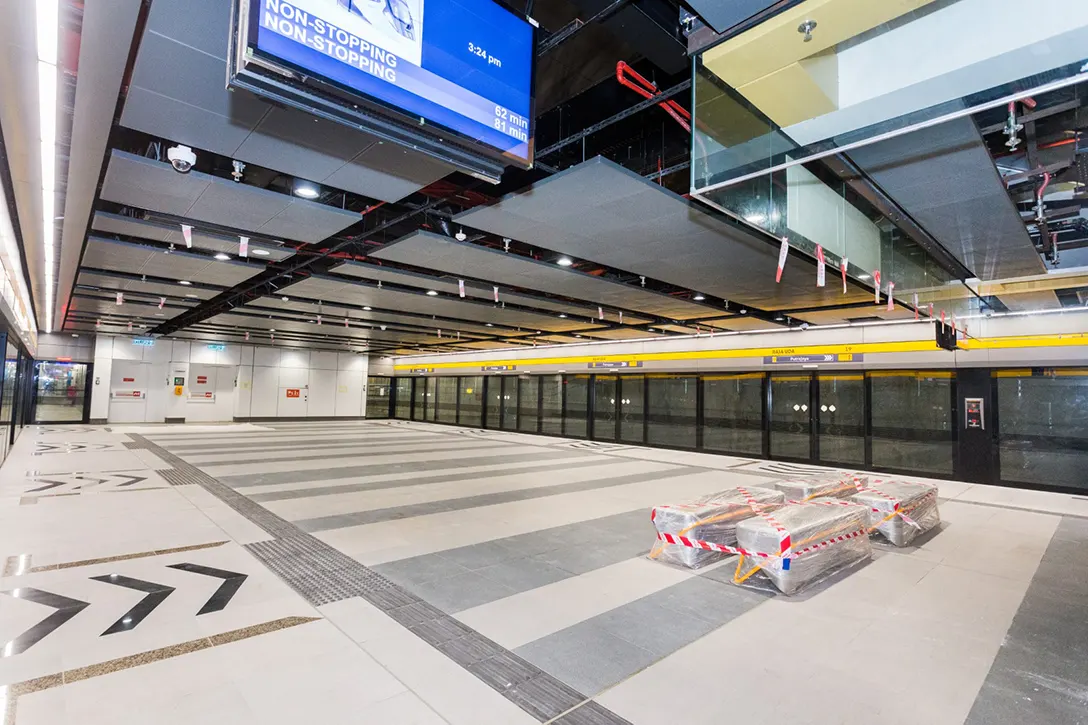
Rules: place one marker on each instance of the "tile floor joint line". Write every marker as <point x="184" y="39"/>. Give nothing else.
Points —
<point x="322" y="575"/>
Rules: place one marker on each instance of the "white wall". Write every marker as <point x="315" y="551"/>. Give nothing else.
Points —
<point x="238" y="381"/>
<point x="62" y="344"/>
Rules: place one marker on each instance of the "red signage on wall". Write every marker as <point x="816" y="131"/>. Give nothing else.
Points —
<point x="128" y="380"/>
<point x="207" y="395"/>
<point x="135" y="393"/>
<point x="293" y="393"/>
<point x="202" y="378"/>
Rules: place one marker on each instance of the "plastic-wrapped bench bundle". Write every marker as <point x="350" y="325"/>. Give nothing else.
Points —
<point x="712" y="519"/>
<point x="835" y="485"/>
<point x="803" y="543"/>
<point x="900" y="510"/>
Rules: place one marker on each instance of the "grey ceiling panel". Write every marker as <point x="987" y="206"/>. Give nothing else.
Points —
<point x="944" y="177"/>
<point x="159" y="232"/>
<point x="622" y="334"/>
<point x="433" y="251"/>
<point x="742" y="322"/>
<point x="601" y="212"/>
<point x="331" y="290"/>
<point x="156" y="289"/>
<point x="154" y="185"/>
<point x="178" y="92"/>
<point x="134" y="259"/>
<point x="83" y="303"/>
<point x="253" y="322"/>
<point x="724" y="14"/>
<point x="473" y="290"/>
<point x="274" y="305"/>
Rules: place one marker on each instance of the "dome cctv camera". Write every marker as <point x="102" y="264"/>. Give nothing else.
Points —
<point x="804" y="325"/>
<point x="181" y="158"/>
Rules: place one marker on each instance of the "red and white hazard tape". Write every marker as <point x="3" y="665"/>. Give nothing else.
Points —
<point x="710" y="546"/>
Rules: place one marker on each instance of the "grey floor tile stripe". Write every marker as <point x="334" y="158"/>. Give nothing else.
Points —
<point x="1040" y="674"/>
<point x="339" y="453"/>
<point x="359" y="518"/>
<point x="228" y="444"/>
<point x="418" y="481"/>
<point x="379" y="469"/>
<point x="322" y="575"/>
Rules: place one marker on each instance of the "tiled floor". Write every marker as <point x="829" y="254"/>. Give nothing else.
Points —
<point x="396" y="573"/>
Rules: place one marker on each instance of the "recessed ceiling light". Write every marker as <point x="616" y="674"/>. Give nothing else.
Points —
<point x="285" y="298"/>
<point x="864" y="276"/>
<point x="431" y="293"/>
<point x="75" y="334"/>
<point x="222" y="257"/>
<point x="159" y="314"/>
<point x="367" y="309"/>
<point x="306" y="190"/>
<point x="260" y="252"/>
<point x="195" y="297"/>
<point x="564" y="261"/>
<point x="562" y="314"/>
<point x="184" y="282"/>
<point x="272" y="330"/>
<point x="698" y="297"/>
<point x="490" y="325"/>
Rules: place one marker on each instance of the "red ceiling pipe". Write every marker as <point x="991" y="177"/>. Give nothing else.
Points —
<point x="1029" y="102"/>
<point x="646" y="89"/>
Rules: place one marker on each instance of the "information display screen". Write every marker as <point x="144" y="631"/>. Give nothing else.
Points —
<point x="466" y="65"/>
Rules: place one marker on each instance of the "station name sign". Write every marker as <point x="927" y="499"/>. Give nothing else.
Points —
<point x="840" y="357"/>
<point x="616" y="364"/>
<point x="143" y="342"/>
<point x="497" y="368"/>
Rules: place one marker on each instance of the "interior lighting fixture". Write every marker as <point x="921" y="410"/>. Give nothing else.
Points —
<point x="260" y="252"/>
<point x="755" y="218"/>
<point x="184" y="282"/>
<point x="864" y="276"/>
<point x="431" y="293"/>
<point x="366" y="309"/>
<point x="306" y="190"/>
<point x="563" y="314"/>
<point x="285" y="298"/>
<point x="222" y="257"/>
<point x="48" y="30"/>
<point x="195" y="297"/>
<point x="489" y="325"/>
<point x="698" y="297"/>
<point x="564" y="261"/>
<point x="460" y="235"/>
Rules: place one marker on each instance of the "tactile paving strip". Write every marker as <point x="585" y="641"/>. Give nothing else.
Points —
<point x="322" y="574"/>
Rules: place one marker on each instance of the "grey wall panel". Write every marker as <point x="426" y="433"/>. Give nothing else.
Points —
<point x="602" y="212"/>
<point x="944" y="177"/>
<point x="426" y="249"/>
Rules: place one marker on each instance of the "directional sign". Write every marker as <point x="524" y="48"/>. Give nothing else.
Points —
<point x="156" y="595"/>
<point x="497" y="368"/>
<point x="840" y="357"/>
<point x="617" y="364"/>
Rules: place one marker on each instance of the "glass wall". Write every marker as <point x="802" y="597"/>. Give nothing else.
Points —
<point x="471" y="400"/>
<point x="445" y="400"/>
<point x="509" y="403"/>
<point x="7" y="394"/>
<point x="1042" y="420"/>
<point x="791" y="419"/>
<point x="377" y="397"/>
<point x="912" y="421"/>
<point x="632" y="403"/>
<point x="577" y="405"/>
<point x="493" y="411"/>
<point x="60" y="392"/>
<point x="419" y="397"/>
<point x="841" y="416"/>
<point x="671" y="406"/>
<point x="403" y="398"/>
<point x="605" y="405"/>
<point x="733" y="413"/>
<point x="528" y="401"/>
<point x="551" y="404"/>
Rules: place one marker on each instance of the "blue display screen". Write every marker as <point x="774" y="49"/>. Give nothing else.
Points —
<point x="464" y="64"/>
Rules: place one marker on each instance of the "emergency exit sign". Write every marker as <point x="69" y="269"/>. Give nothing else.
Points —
<point x="294" y="393"/>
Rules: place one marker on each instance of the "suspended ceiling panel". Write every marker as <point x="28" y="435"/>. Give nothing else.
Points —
<point x="473" y="290"/>
<point x="742" y="322"/>
<point x="154" y="185"/>
<point x="944" y="177"/>
<point x="332" y="290"/>
<point x="171" y="234"/>
<point x="835" y="317"/>
<point x="433" y="251"/>
<point x="275" y="306"/>
<point x="154" y="289"/>
<point x="179" y="92"/>
<point x="724" y="14"/>
<point x="98" y="306"/>
<point x="136" y="259"/>
<point x="622" y="333"/>
<point x="602" y="212"/>
<point x="310" y="328"/>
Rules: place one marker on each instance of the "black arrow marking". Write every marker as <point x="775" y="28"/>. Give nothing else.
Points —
<point x="66" y="609"/>
<point x="226" y="590"/>
<point x="49" y="484"/>
<point x="156" y="593"/>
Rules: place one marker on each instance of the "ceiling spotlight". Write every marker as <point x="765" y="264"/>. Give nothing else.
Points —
<point x="744" y="311"/>
<point x="698" y="297"/>
<point x="184" y="282"/>
<point x="382" y="326"/>
<point x="431" y="293"/>
<point x="306" y="190"/>
<point x="563" y="314"/>
<point x="260" y="252"/>
<point x="367" y="309"/>
<point x="222" y="257"/>
<point x="195" y="297"/>
<point x="864" y="276"/>
<point x="460" y="235"/>
<point x="489" y="325"/>
<point x="564" y="261"/>
<point x="272" y="330"/>
<point x="778" y="318"/>
<point x="75" y="334"/>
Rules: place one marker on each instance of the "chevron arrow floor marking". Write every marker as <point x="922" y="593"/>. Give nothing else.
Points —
<point x="226" y="591"/>
<point x="156" y="593"/>
<point x="66" y="609"/>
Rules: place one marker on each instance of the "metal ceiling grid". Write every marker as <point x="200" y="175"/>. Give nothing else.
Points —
<point x="741" y="323"/>
<point x="333" y="290"/>
<point x="131" y="308"/>
<point x="335" y="323"/>
<point x="944" y="177"/>
<point x="155" y="185"/>
<point x="433" y="251"/>
<point x="473" y="290"/>
<point x="171" y="234"/>
<point x="621" y="333"/>
<point x="259" y="322"/>
<point x="112" y="283"/>
<point x="118" y="256"/>
<point x="178" y="92"/>
<point x="275" y="306"/>
<point x="602" y="212"/>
